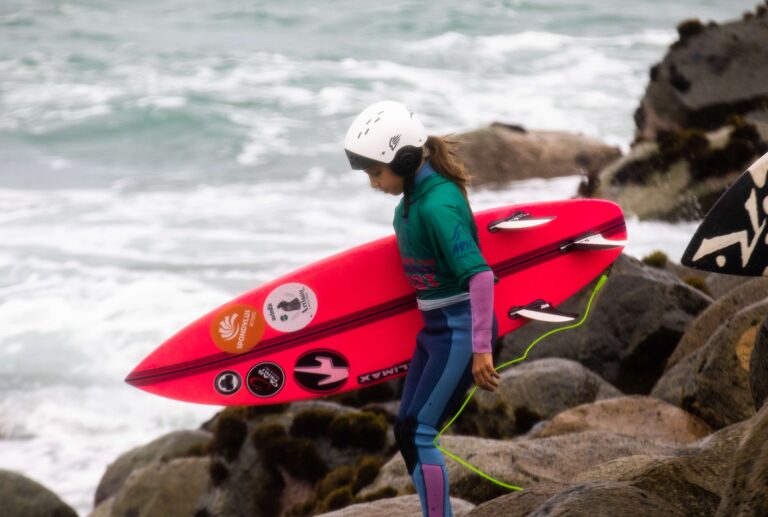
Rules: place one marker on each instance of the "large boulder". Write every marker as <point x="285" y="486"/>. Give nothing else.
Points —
<point x="746" y="491"/>
<point x="583" y="500"/>
<point x="637" y="416"/>
<point x="680" y="175"/>
<point x="23" y="496"/>
<point x="724" y="308"/>
<point x="719" y="284"/>
<point x="607" y="498"/>
<point x="520" y="462"/>
<point x="304" y="458"/>
<point x="758" y="367"/>
<point x="501" y="153"/>
<point x="519" y="504"/>
<point x="169" y="488"/>
<point x="529" y="393"/>
<point x="689" y="478"/>
<point x="403" y="506"/>
<point x="635" y="323"/>
<point x="710" y="73"/>
<point x="713" y="381"/>
<point x="177" y="444"/>
<point x="686" y="480"/>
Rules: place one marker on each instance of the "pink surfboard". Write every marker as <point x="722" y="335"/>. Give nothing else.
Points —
<point x="350" y="321"/>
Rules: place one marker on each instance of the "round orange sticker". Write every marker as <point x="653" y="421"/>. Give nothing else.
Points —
<point x="237" y="328"/>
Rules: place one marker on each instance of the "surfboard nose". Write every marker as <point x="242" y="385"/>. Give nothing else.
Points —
<point x="136" y="375"/>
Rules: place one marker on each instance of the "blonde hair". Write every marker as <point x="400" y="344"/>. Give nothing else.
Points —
<point x="446" y="161"/>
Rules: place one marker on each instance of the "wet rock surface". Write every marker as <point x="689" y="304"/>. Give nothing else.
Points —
<point x="23" y="496"/>
<point x="638" y="416"/>
<point x="635" y="324"/>
<point x="502" y="153"/>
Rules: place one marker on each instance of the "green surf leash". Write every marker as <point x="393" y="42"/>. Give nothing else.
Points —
<point x="464" y="462"/>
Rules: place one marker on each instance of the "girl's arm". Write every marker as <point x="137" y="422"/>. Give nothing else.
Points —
<point x="481" y="300"/>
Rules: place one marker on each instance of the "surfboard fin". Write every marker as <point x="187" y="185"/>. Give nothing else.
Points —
<point x="520" y="220"/>
<point x="592" y="242"/>
<point x="541" y="310"/>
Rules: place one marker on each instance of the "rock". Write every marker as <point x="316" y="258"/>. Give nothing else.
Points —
<point x="171" y="488"/>
<point x="405" y="506"/>
<point x="746" y="491"/>
<point x="520" y="462"/>
<point x="710" y="73"/>
<point x="713" y="382"/>
<point x="705" y="324"/>
<point x="681" y="174"/>
<point x="628" y="352"/>
<point x="690" y="478"/>
<point x="23" y="496"/>
<point x="177" y="444"/>
<point x="519" y="504"/>
<point x="758" y="367"/>
<point x="720" y="285"/>
<point x="103" y="509"/>
<point x="528" y="393"/>
<point x="501" y="153"/>
<point x="637" y="416"/>
<point x="305" y="458"/>
<point x="606" y="498"/>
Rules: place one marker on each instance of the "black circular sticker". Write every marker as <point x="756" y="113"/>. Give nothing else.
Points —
<point x="321" y="371"/>
<point x="265" y="380"/>
<point x="228" y="382"/>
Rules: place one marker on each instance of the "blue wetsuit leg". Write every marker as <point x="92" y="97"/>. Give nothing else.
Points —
<point x="435" y="386"/>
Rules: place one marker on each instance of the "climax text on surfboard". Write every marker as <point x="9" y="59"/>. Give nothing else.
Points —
<point x="383" y="374"/>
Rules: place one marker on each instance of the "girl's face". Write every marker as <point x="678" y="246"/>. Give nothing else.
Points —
<point x="382" y="178"/>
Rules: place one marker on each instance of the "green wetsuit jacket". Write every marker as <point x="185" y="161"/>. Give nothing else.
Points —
<point x="438" y="242"/>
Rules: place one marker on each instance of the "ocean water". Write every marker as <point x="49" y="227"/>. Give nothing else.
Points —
<point x="159" y="158"/>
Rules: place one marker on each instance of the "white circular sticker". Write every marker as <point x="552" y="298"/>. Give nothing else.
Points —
<point x="290" y="307"/>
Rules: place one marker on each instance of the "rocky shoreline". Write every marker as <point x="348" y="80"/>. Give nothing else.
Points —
<point x="655" y="406"/>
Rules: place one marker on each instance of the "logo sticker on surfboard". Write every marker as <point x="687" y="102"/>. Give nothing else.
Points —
<point x="228" y="382"/>
<point x="266" y="380"/>
<point x="290" y="307"/>
<point x="321" y="371"/>
<point x="237" y="328"/>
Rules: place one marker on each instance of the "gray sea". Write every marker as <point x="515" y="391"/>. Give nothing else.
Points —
<point x="159" y="158"/>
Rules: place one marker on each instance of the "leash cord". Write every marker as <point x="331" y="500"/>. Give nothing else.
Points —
<point x="465" y="463"/>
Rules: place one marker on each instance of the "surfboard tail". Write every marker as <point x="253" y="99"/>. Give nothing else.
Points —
<point x="732" y="237"/>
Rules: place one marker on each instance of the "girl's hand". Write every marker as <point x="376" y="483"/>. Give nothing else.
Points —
<point x="485" y="375"/>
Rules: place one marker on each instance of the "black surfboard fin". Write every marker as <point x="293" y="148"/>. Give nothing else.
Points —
<point x="520" y="220"/>
<point x="595" y="241"/>
<point x="541" y="310"/>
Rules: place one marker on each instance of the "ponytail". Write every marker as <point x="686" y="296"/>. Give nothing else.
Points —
<point x="446" y="161"/>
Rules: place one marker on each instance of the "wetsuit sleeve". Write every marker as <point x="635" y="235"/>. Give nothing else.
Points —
<point x="481" y="300"/>
<point x="451" y="234"/>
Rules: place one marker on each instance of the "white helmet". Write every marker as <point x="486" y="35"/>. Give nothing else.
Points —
<point x="386" y="132"/>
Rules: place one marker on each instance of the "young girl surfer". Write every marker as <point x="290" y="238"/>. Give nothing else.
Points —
<point x="438" y="244"/>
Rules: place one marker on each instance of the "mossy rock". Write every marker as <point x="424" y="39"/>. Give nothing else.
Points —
<point x="368" y="468"/>
<point x="699" y="283"/>
<point x="337" y="499"/>
<point x="228" y="437"/>
<point x="657" y="259"/>
<point x="312" y="423"/>
<point x="298" y="456"/>
<point x="486" y="422"/>
<point x="343" y="476"/>
<point x="362" y="430"/>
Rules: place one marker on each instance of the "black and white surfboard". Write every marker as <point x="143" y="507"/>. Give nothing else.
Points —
<point x="732" y="237"/>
